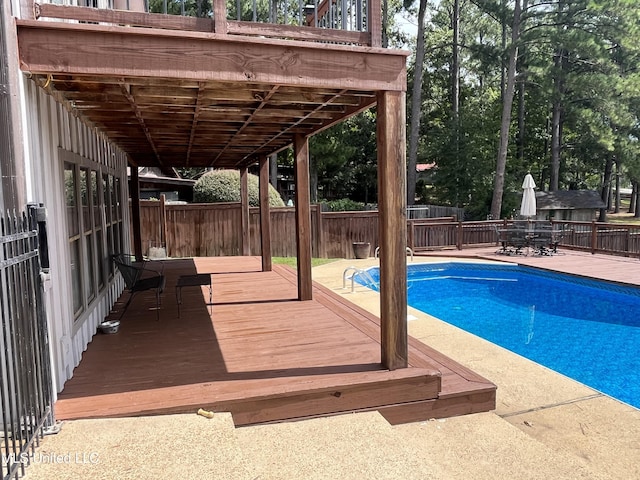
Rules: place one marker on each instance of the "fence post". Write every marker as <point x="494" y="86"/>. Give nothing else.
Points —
<point x="628" y="241"/>
<point x="594" y="237"/>
<point x="163" y="223"/>
<point x="411" y="234"/>
<point x="320" y="249"/>
<point x="460" y="234"/>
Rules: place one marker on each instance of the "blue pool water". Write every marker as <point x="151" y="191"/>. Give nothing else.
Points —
<point x="585" y="329"/>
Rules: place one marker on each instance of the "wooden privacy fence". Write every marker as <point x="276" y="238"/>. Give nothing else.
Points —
<point x="209" y="230"/>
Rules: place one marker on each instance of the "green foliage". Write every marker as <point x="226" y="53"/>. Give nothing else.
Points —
<point x="597" y="88"/>
<point x="224" y="186"/>
<point x="191" y="8"/>
<point x="344" y="205"/>
<point x="343" y="159"/>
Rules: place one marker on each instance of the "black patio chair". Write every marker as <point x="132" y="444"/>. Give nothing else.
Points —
<point x="137" y="278"/>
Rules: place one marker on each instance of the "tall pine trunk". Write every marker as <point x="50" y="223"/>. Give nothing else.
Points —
<point x="560" y="60"/>
<point x="416" y="102"/>
<point x="455" y="95"/>
<point x="606" y="187"/>
<point x="522" y="68"/>
<point x="560" y="65"/>
<point x="507" y="104"/>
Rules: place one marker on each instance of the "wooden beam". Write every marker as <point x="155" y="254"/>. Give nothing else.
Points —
<point x="122" y="17"/>
<point x="194" y="123"/>
<point x="391" y="143"/>
<point x="303" y="216"/>
<point x="265" y="215"/>
<point x="88" y="49"/>
<point x="244" y="211"/>
<point x="134" y="192"/>
<point x="313" y="34"/>
<point x="134" y="106"/>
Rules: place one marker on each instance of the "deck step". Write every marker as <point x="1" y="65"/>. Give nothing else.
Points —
<point x="376" y="390"/>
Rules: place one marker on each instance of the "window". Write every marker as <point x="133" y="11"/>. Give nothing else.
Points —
<point x="86" y="196"/>
<point x="73" y="225"/>
<point x="94" y="223"/>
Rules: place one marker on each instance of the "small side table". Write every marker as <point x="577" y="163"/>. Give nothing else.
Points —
<point x="196" y="280"/>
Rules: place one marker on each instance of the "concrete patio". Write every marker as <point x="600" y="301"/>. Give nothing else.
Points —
<point x="545" y="426"/>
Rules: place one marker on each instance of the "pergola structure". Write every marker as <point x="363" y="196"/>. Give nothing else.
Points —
<point x="186" y="92"/>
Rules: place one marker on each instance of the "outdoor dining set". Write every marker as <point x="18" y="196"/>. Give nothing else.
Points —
<point x="523" y="238"/>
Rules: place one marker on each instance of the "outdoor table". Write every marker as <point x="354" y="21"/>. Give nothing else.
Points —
<point x="196" y="280"/>
<point x="543" y="240"/>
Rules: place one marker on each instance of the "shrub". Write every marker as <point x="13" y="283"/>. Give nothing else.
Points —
<point x="224" y="186"/>
<point x="344" y="205"/>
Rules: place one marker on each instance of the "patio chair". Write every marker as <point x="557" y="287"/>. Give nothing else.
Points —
<point x="137" y="278"/>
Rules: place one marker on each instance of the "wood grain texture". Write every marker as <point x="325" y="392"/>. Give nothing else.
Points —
<point x="134" y="192"/>
<point x="303" y="216"/>
<point x="122" y="17"/>
<point x="139" y="52"/>
<point x="257" y="352"/>
<point x="393" y="228"/>
<point x="375" y="20"/>
<point x="199" y="99"/>
<point x="219" y="24"/>
<point x="265" y="215"/>
<point x="244" y="211"/>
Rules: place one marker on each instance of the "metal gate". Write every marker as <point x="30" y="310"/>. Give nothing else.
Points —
<point x="26" y="395"/>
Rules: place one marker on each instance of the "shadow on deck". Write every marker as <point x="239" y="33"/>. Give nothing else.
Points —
<point x="260" y="354"/>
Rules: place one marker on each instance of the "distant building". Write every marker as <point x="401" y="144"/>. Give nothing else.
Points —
<point x="153" y="183"/>
<point x="575" y="205"/>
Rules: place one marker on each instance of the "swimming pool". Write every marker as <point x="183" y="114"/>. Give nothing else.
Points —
<point x="585" y="329"/>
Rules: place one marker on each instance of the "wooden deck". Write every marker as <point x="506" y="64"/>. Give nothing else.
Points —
<point x="260" y="354"/>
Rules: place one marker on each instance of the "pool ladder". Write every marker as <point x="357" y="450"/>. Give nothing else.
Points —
<point x="366" y="276"/>
<point x="409" y="252"/>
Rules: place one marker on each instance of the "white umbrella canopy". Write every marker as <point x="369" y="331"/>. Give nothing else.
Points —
<point x="528" y="205"/>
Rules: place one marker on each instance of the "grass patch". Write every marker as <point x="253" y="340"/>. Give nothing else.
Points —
<point x="293" y="261"/>
<point x="631" y="220"/>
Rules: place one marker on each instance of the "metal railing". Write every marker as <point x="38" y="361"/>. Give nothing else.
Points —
<point x="26" y="395"/>
<point x="595" y="237"/>
<point x="357" y="272"/>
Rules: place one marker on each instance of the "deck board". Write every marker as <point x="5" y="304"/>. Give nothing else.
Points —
<point x="258" y="353"/>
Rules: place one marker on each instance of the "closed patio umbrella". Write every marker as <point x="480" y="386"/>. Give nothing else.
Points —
<point x="528" y="205"/>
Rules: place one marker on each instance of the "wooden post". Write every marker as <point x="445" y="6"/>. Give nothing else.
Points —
<point x="220" y="16"/>
<point x="411" y="239"/>
<point x="375" y="22"/>
<point x="163" y="222"/>
<point x="303" y="216"/>
<point x="594" y="237"/>
<point x="244" y="211"/>
<point x="320" y="251"/>
<point x="391" y="142"/>
<point x="134" y="192"/>
<point x="460" y="233"/>
<point x="265" y="215"/>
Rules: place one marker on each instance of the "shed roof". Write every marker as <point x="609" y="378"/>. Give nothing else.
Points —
<point x="569" y="200"/>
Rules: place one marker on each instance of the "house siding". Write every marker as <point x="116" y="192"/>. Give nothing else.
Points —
<point x="51" y="136"/>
